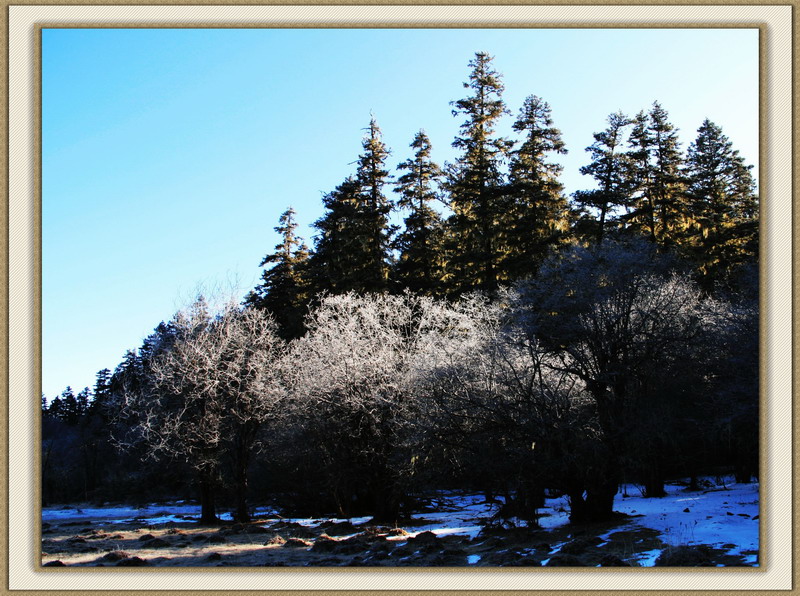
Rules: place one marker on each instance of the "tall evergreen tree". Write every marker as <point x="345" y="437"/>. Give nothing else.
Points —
<point x="82" y="399"/>
<point x="102" y="392"/>
<point x="609" y="169"/>
<point x="69" y="410"/>
<point x="352" y="248"/>
<point x="475" y="183"/>
<point x="537" y="213"/>
<point x="420" y="263"/>
<point x="374" y="208"/>
<point x="335" y="265"/>
<point x="722" y="205"/>
<point x="642" y="214"/>
<point x="667" y="180"/>
<point x="283" y="290"/>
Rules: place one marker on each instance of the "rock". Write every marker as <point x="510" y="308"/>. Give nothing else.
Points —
<point x="217" y="539"/>
<point x="297" y="543"/>
<point x="424" y="537"/>
<point x="354" y="544"/>
<point x="275" y="540"/>
<point x="325" y="544"/>
<point x="213" y="557"/>
<point x="157" y="543"/>
<point x="146" y="537"/>
<point x="687" y="510"/>
<point x="54" y="564"/>
<point x="114" y="556"/>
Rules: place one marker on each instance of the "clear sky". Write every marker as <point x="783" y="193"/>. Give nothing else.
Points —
<point x="169" y="154"/>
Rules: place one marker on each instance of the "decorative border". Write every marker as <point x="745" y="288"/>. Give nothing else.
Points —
<point x="23" y="29"/>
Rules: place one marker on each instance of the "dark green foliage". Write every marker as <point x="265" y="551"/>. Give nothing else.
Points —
<point x="374" y="208"/>
<point x="609" y="167"/>
<point x="476" y="185"/>
<point x="640" y="176"/>
<point x="667" y="178"/>
<point x="335" y="265"/>
<point x="284" y="290"/>
<point x="537" y="210"/>
<point x="721" y="207"/>
<point x="420" y="266"/>
<point x="352" y="247"/>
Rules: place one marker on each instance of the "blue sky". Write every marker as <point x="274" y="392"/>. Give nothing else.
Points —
<point x="169" y="154"/>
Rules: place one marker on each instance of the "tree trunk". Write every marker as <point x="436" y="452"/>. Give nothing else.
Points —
<point x="242" y="514"/>
<point x="654" y="480"/>
<point x="385" y="497"/>
<point x="596" y="505"/>
<point x="208" y="512"/>
<point x="654" y="488"/>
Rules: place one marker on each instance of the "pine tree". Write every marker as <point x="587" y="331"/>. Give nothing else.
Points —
<point x="102" y="392"/>
<point x="537" y="212"/>
<point x="609" y="169"/>
<point x="334" y="265"/>
<point x="283" y="290"/>
<point x="420" y="264"/>
<point x="475" y="183"/>
<point x="69" y="411"/>
<point x="722" y="205"/>
<point x="374" y="209"/>
<point x="82" y="399"/>
<point x="667" y="179"/>
<point x="352" y="248"/>
<point x="640" y="177"/>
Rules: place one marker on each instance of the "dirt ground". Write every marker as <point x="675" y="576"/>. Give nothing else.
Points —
<point x="270" y="542"/>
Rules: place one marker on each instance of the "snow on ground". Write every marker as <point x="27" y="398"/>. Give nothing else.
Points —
<point x="463" y="515"/>
<point x="723" y="516"/>
<point x="152" y="514"/>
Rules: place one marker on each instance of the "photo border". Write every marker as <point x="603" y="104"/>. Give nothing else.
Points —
<point x="23" y="271"/>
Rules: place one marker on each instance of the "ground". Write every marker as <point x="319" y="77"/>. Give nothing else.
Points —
<point x="717" y="526"/>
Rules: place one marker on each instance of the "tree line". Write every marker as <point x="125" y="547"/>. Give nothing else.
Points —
<point x="515" y="340"/>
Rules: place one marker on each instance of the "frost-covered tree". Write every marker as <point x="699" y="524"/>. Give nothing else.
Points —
<point x="356" y="379"/>
<point x="206" y="394"/>
<point x="498" y="400"/>
<point x="621" y="322"/>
